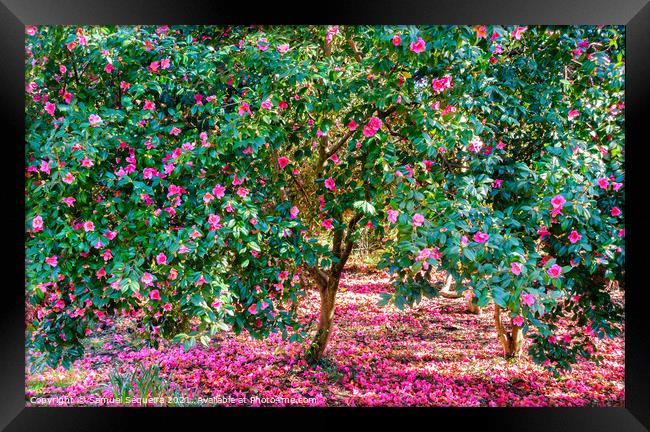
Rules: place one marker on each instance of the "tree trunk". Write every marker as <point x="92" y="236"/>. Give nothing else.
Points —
<point x="512" y="342"/>
<point x="472" y="308"/>
<point x="324" y="330"/>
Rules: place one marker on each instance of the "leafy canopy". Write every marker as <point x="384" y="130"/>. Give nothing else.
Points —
<point x="191" y="175"/>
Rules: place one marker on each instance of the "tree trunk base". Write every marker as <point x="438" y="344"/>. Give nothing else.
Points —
<point x="321" y="338"/>
<point x="512" y="342"/>
<point x="472" y="308"/>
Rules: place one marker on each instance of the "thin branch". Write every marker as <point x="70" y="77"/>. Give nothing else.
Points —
<point x="357" y="53"/>
<point x="339" y="144"/>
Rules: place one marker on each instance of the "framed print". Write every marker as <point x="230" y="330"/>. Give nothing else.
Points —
<point x="427" y="210"/>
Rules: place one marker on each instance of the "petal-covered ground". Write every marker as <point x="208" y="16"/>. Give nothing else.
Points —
<point x="434" y="354"/>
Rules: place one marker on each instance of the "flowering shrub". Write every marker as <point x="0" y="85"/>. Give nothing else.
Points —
<point x="193" y="176"/>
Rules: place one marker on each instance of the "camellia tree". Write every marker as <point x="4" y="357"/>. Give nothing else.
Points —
<point x="199" y="177"/>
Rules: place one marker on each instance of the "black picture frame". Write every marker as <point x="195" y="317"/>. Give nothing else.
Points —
<point x="15" y="14"/>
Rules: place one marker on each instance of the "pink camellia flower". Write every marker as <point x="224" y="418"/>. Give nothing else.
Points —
<point x="427" y="164"/>
<point x="573" y="114"/>
<point x="517" y="32"/>
<point x="293" y="212"/>
<point x="242" y="192"/>
<point x="208" y="197"/>
<point x="555" y="271"/>
<point x="95" y="120"/>
<point x="615" y="212"/>
<point x="327" y="223"/>
<point x="497" y="183"/>
<point x="154" y="66"/>
<point x="481" y="31"/>
<point x="475" y="145"/>
<point x="37" y="224"/>
<point x="45" y="167"/>
<point x="515" y="268"/>
<point x="69" y="201"/>
<point x="392" y="215"/>
<point x="266" y="104"/>
<point x="147" y="278"/>
<point x="417" y="220"/>
<point x="109" y="68"/>
<point x="283" y="161"/>
<point x="161" y="259"/>
<point x="375" y="123"/>
<point x="418" y="46"/>
<point x="30" y="30"/>
<point x="397" y="40"/>
<point x="481" y="237"/>
<point x="368" y="131"/>
<point x="175" y="131"/>
<point x="621" y="232"/>
<point x="528" y="299"/>
<point x="237" y="181"/>
<point x="558" y="201"/>
<point x="89" y="226"/>
<point x="464" y="240"/>
<point x="352" y="125"/>
<point x="616" y="186"/>
<point x="213" y="219"/>
<point x="252" y="309"/>
<point x="331" y="32"/>
<point x="329" y="184"/>
<point x="165" y="63"/>
<point x="219" y="191"/>
<point x="574" y="236"/>
<point x="53" y="260"/>
<point x="167" y="307"/>
<point x="262" y="44"/>
<point x="50" y="108"/>
<point x="111" y="235"/>
<point x="149" y="105"/>
<point x="543" y="232"/>
<point x="107" y="255"/>
<point x="87" y="163"/>
<point x="283" y="48"/>
<point x="441" y="84"/>
<point x="518" y="321"/>
<point x="154" y="295"/>
<point x="148" y="173"/>
<point x="603" y="183"/>
<point x="244" y="108"/>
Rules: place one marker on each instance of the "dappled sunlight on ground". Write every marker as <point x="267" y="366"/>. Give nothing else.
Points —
<point x="434" y="354"/>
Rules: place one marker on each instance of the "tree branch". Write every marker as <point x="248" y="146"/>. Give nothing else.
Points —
<point x="357" y="53"/>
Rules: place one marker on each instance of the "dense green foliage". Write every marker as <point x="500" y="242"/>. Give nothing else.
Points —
<point x="194" y="175"/>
